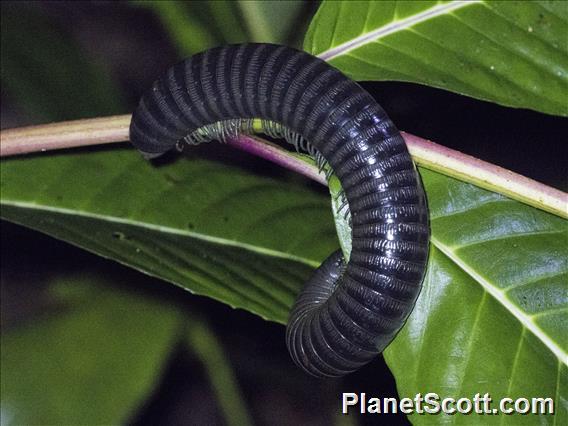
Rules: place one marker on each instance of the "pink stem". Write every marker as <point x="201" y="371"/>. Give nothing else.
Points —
<point x="277" y="155"/>
<point x="426" y="153"/>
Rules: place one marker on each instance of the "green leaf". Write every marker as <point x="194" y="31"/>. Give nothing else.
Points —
<point x="36" y="81"/>
<point x="224" y="16"/>
<point x="497" y="268"/>
<point x="215" y="230"/>
<point x="492" y="316"/>
<point x="271" y="21"/>
<point x="94" y="360"/>
<point x="511" y="52"/>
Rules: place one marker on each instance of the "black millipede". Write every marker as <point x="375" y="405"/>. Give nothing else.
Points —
<point x="347" y="313"/>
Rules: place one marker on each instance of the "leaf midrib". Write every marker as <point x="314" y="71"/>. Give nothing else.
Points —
<point x="393" y="28"/>
<point x="496" y="293"/>
<point x="501" y="298"/>
<point x="165" y="229"/>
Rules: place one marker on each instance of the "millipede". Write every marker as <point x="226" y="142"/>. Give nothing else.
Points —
<point x="349" y="310"/>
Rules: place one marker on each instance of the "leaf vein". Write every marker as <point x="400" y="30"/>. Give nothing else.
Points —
<point x="393" y="27"/>
<point x="500" y="297"/>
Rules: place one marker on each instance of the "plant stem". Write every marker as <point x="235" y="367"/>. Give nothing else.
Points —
<point x="66" y="134"/>
<point x="489" y="176"/>
<point x="271" y="152"/>
<point x="427" y="154"/>
<point x="202" y="341"/>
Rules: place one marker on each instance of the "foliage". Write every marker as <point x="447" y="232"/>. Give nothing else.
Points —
<point x="510" y="52"/>
<point x="492" y="315"/>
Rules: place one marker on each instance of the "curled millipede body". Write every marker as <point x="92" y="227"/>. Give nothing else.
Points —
<point x="347" y="313"/>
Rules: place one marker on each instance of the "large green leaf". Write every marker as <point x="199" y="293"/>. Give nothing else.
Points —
<point x="186" y="222"/>
<point x="492" y="316"/>
<point x="511" y="52"/>
<point x="497" y="269"/>
<point x="92" y="360"/>
<point x="250" y="242"/>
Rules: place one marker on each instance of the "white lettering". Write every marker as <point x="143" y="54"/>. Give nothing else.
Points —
<point x="477" y="403"/>
<point x="464" y="405"/>
<point x="390" y="406"/>
<point x="374" y="405"/>
<point x="542" y="408"/>
<point x="418" y="400"/>
<point x="349" y="399"/>
<point x="446" y="405"/>
<point x="503" y="406"/>
<point x="406" y="405"/>
<point x="487" y="404"/>
<point x="522" y="409"/>
<point x="433" y="403"/>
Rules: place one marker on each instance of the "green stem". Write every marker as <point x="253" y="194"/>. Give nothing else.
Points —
<point x="204" y="344"/>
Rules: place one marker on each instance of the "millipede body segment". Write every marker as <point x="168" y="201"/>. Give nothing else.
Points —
<point x="348" y="312"/>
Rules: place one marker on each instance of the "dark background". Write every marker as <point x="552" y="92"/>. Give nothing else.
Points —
<point x="131" y="44"/>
